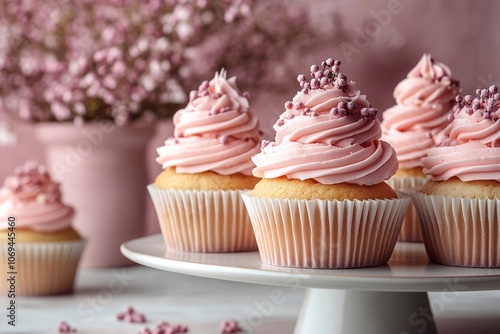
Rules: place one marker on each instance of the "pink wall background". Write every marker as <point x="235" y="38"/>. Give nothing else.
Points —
<point x="459" y="33"/>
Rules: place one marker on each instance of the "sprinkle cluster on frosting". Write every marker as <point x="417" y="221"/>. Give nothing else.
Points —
<point x="35" y="199"/>
<point x="486" y="104"/>
<point x="476" y="118"/>
<point x="215" y="132"/>
<point x="329" y="73"/>
<point x="324" y="78"/>
<point x="328" y="132"/>
<point x="30" y="182"/>
<point x="473" y="145"/>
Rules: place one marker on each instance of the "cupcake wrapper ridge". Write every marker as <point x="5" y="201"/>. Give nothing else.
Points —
<point x="43" y="268"/>
<point x="326" y="234"/>
<point x="460" y="231"/>
<point x="410" y="230"/>
<point x="203" y="221"/>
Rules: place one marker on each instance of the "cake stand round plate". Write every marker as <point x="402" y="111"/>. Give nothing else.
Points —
<point x="379" y="300"/>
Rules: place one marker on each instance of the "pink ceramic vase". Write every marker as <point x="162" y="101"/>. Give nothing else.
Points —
<point x="102" y="171"/>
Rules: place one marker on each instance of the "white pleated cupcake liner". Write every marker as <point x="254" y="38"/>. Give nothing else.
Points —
<point x="42" y="268"/>
<point x="326" y="234"/>
<point x="410" y="230"/>
<point x="460" y="231"/>
<point x="203" y="221"/>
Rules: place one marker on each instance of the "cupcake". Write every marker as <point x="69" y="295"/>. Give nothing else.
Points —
<point x="459" y="208"/>
<point x="423" y="102"/>
<point x="37" y="243"/>
<point x="322" y="201"/>
<point x="207" y="165"/>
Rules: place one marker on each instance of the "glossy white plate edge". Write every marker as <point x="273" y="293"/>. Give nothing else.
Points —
<point x="303" y="279"/>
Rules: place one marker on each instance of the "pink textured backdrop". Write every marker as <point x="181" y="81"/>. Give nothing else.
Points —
<point x="383" y="40"/>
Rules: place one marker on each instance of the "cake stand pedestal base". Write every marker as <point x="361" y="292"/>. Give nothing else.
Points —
<point x="365" y="312"/>
<point x="371" y="300"/>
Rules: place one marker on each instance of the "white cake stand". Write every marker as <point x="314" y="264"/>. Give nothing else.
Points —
<point x="390" y="299"/>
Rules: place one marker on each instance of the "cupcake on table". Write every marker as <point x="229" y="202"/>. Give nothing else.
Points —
<point x="424" y="100"/>
<point x="459" y="209"/>
<point x="207" y="165"/>
<point x="322" y="201"/>
<point x="35" y="226"/>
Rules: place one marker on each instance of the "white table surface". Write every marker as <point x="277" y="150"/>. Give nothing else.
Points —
<point x="202" y="304"/>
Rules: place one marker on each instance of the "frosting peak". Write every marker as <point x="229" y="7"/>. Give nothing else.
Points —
<point x="216" y="131"/>
<point x="328" y="132"/>
<point x="34" y="199"/>
<point x="423" y="103"/>
<point x="428" y="69"/>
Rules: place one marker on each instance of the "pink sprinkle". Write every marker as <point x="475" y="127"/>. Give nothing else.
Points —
<point x="173" y="140"/>
<point x="131" y="316"/>
<point x="64" y="327"/>
<point x="176" y="329"/>
<point x="163" y="325"/>
<point x="314" y="68"/>
<point x="299" y="105"/>
<point x="224" y="139"/>
<point x="230" y="327"/>
<point x="165" y="328"/>
<point x="137" y="318"/>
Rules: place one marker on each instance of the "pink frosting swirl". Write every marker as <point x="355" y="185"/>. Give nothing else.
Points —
<point x="295" y="125"/>
<point x="474" y="141"/>
<point x="34" y="200"/>
<point x="215" y="132"/>
<point x="330" y="134"/>
<point x="470" y="161"/>
<point x="424" y="100"/>
<point x="328" y="164"/>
